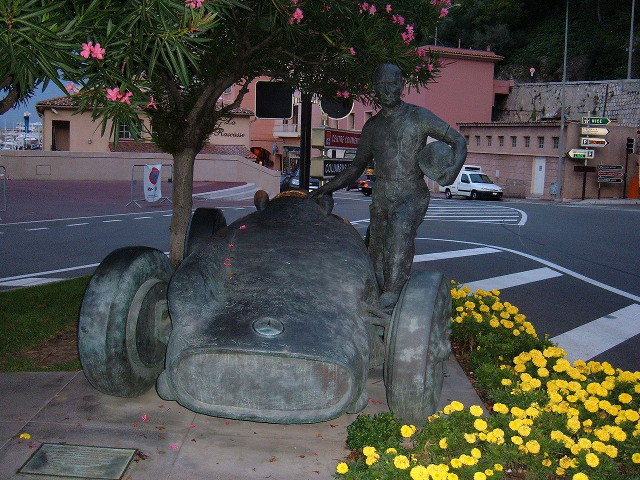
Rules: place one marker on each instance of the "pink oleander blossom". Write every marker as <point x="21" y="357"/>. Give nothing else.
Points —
<point x="372" y="10"/>
<point x="296" y="16"/>
<point x="91" y="50"/>
<point x="342" y="94"/>
<point x="444" y="12"/>
<point x="193" y="3"/>
<point x="399" y="19"/>
<point x="388" y="8"/>
<point x="98" y="52"/>
<point x="125" y="97"/>
<point x="152" y="103"/>
<point x="70" y="87"/>
<point x="421" y="52"/>
<point x="352" y="51"/>
<point x="113" y="94"/>
<point x="87" y="49"/>
<point x="430" y="67"/>
<point x="408" y="35"/>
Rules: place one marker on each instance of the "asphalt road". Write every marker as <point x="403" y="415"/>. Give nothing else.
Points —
<point x="573" y="269"/>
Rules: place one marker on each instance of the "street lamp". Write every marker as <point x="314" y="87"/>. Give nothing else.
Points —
<point x="560" y="172"/>
<point x="633" y="9"/>
<point x="26" y="116"/>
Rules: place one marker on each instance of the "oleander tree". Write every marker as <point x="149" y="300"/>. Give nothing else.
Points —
<point x="38" y="38"/>
<point x="173" y="59"/>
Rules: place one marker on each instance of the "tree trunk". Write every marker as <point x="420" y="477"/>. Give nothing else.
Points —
<point x="182" y="203"/>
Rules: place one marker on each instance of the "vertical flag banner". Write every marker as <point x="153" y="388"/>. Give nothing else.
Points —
<point x="152" y="182"/>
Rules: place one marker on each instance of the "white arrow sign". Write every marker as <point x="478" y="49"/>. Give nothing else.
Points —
<point x="593" y="142"/>
<point x="581" y="153"/>
<point x="594" y="131"/>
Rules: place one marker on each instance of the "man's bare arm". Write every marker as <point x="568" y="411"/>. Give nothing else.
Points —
<point x="363" y="156"/>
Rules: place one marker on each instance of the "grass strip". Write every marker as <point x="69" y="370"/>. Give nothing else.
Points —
<point x="33" y="315"/>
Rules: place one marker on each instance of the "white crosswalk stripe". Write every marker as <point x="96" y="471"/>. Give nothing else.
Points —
<point x="445" y="210"/>
<point x="513" y="279"/>
<point x="466" y="252"/>
<point x="587" y="341"/>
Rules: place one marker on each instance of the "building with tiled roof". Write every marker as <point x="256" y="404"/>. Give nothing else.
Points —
<point x="66" y="129"/>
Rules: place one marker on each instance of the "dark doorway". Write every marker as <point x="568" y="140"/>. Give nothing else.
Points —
<point x="60" y="135"/>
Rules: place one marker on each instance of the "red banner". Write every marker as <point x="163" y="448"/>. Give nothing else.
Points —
<point x="340" y="139"/>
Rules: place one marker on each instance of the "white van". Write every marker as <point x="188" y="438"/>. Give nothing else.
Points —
<point x="472" y="183"/>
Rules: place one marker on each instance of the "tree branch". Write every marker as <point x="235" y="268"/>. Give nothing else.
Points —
<point x="9" y="100"/>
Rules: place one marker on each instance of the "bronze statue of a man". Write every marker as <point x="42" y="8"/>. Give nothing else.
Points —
<point x="395" y="139"/>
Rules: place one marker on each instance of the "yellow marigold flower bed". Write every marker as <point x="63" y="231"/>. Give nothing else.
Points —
<point x="556" y="419"/>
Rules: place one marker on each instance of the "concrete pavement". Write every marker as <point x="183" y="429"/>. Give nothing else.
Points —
<point x="175" y="443"/>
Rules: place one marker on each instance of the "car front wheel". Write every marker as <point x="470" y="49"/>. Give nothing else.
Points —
<point x="417" y="346"/>
<point x="447" y="193"/>
<point x="124" y="323"/>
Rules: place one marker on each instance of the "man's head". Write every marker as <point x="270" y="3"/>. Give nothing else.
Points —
<point x="388" y="84"/>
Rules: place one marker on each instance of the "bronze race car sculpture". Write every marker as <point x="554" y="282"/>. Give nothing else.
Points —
<point x="273" y="318"/>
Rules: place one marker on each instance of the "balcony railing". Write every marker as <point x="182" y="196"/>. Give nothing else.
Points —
<point x="286" y="130"/>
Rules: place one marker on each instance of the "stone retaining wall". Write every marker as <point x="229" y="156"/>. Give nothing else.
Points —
<point x="618" y="100"/>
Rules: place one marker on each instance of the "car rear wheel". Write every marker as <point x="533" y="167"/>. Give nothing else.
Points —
<point x="124" y="323"/>
<point x="447" y="193"/>
<point x="417" y="346"/>
<point x="204" y="223"/>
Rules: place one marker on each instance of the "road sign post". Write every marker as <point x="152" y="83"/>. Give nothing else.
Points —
<point x="611" y="174"/>
<point x="581" y="153"/>
<point x="596" y="121"/>
<point x="593" y="142"/>
<point x="594" y="131"/>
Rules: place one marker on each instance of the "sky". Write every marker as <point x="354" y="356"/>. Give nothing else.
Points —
<point x="17" y="114"/>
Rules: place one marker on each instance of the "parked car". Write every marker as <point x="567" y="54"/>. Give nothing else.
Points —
<point x="364" y="184"/>
<point x="291" y="181"/>
<point x="242" y="330"/>
<point x="472" y="183"/>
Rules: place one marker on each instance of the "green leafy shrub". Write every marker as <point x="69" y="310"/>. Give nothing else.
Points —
<point x="380" y="431"/>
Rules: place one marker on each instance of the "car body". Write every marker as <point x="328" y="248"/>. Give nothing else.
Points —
<point x="291" y="181"/>
<point x="364" y="184"/>
<point x="271" y="335"/>
<point x="473" y="183"/>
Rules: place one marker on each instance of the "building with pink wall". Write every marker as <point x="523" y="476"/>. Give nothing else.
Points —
<point x="465" y="91"/>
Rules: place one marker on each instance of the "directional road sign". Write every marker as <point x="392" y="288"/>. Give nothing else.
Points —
<point x="581" y="153"/>
<point x="596" y="120"/>
<point x="594" y="131"/>
<point x="610" y="168"/>
<point x="593" y="142"/>
<point x="609" y="179"/>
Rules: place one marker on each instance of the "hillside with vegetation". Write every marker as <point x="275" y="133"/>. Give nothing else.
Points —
<point x="530" y="33"/>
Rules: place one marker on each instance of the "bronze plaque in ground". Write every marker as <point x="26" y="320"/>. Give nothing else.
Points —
<point x="78" y="461"/>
